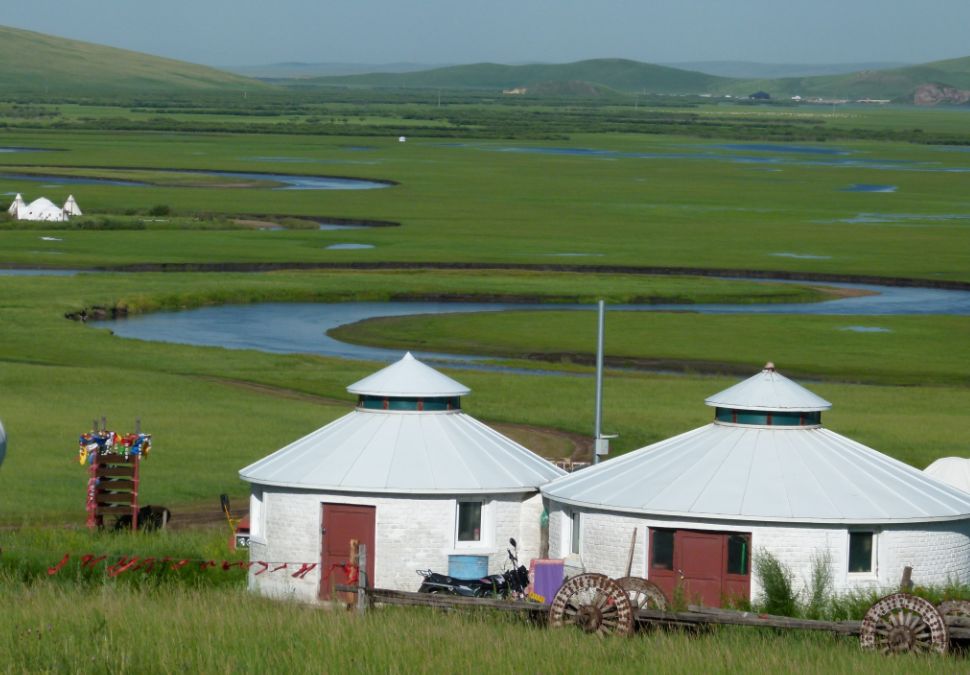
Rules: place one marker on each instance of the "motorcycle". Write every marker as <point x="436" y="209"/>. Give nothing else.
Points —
<point x="511" y="583"/>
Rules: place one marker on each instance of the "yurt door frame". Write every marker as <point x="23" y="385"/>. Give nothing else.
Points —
<point x="340" y="523"/>
<point x="706" y="564"/>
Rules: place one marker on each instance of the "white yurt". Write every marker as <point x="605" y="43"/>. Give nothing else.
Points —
<point x="16" y="205"/>
<point x="407" y="473"/>
<point x="71" y="208"/>
<point x="765" y="475"/>
<point x="3" y="443"/>
<point x="41" y="209"/>
<point x="954" y="471"/>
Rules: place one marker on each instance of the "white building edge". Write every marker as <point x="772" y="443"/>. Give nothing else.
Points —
<point x="407" y="473"/>
<point x="764" y="476"/>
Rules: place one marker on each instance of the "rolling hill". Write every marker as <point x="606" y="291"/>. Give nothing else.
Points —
<point x="32" y="63"/>
<point x="613" y="74"/>
<point x="894" y="83"/>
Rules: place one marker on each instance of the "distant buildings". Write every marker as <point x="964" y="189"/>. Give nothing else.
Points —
<point x="43" y="209"/>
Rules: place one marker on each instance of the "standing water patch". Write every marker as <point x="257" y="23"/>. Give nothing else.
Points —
<point x="349" y="247"/>
<point x="866" y="329"/>
<point x="869" y="187"/>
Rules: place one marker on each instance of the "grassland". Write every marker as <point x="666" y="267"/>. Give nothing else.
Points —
<point x="481" y="203"/>
<point x="213" y="411"/>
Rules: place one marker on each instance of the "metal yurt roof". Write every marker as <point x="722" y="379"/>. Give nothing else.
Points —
<point x="408" y="377"/>
<point x="405" y="451"/>
<point x="768" y="390"/>
<point x="953" y="471"/>
<point x="759" y="472"/>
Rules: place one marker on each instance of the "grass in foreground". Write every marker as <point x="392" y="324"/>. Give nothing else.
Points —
<point x="121" y="629"/>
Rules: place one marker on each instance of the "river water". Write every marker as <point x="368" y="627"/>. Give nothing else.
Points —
<point x="302" y="327"/>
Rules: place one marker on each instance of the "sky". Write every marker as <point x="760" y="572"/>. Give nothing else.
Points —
<point x="257" y="32"/>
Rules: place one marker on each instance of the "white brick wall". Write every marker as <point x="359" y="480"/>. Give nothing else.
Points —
<point x="410" y="534"/>
<point x="937" y="552"/>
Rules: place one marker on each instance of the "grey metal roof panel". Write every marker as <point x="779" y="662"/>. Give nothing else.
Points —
<point x="769" y="474"/>
<point x="768" y="390"/>
<point x="408" y="377"/>
<point x="404" y="452"/>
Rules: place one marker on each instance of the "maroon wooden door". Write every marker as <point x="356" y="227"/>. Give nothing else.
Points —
<point x="708" y="567"/>
<point x="341" y="523"/>
<point x="700" y="560"/>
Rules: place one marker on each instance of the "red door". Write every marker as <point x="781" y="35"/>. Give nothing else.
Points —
<point x="706" y="567"/>
<point x="700" y="558"/>
<point x="341" y="524"/>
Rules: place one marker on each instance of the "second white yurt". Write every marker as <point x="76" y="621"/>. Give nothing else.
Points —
<point x="763" y="477"/>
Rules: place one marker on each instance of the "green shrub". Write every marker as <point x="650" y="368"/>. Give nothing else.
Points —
<point x="160" y="210"/>
<point x="777" y="592"/>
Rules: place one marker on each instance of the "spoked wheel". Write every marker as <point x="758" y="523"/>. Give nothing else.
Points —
<point x="901" y="623"/>
<point x="593" y="602"/>
<point x="643" y="594"/>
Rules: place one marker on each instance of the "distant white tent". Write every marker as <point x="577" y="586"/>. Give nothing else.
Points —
<point x="17" y="204"/>
<point x="43" y="209"/>
<point x="71" y="208"/>
<point x="3" y="443"/>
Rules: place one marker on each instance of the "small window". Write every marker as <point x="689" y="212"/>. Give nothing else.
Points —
<point x="860" y="551"/>
<point x="469" y="521"/>
<point x="574" y="533"/>
<point x="662" y="551"/>
<point x="256" y="513"/>
<point x="738" y="554"/>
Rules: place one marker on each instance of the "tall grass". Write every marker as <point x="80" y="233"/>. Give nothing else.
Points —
<point x="205" y="630"/>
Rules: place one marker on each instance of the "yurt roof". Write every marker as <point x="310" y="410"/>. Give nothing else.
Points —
<point x="408" y="378"/>
<point x="734" y="472"/>
<point x="771" y="391"/>
<point x="404" y="452"/>
<point x="954" y="471"/>
<point x="759" y="472"/>
<point x="42" y="203"/>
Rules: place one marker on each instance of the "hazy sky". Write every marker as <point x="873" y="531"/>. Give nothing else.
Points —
<point x="253" y="32"/>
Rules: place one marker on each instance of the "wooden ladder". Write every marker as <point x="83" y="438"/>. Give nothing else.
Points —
<point x="115" y="490"/>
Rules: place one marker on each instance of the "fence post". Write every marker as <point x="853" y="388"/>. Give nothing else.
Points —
<point x="362" y="579"/>
<point x="906" y="584"/>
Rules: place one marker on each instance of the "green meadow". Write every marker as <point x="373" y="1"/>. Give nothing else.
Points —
<point x="555" y="227"/>
<point x="478" y="202"/>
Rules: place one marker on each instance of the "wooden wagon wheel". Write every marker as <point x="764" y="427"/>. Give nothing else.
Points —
<point x="643" y="594"/>
<point x="593" y="602"/>
<point x="902" y="623"/>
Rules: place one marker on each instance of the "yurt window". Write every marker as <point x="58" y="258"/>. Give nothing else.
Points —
<point x="662" y="549"/>
<point x="575" y="527"/>
<point x="738" y="554"/>
<point x="256" y="513"/>
<point x="861" y="551"/>
<point x="469" y="521"/>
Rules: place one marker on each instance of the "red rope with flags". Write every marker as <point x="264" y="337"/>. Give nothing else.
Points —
<point x="126" y="564"/>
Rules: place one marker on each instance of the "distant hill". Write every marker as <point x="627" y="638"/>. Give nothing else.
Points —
<point x="752" y="70"/>
<point x="297" y="69"/>
<point x="38" y="63"/>
<point x="896" y="83"/>
<point x="617" y="74"/>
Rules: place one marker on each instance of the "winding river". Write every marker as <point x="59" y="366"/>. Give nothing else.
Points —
<point x="302" y="327"/>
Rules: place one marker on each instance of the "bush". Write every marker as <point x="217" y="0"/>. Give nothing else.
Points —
<point x="777" y="593"/>
<point x="160" y="210"/>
